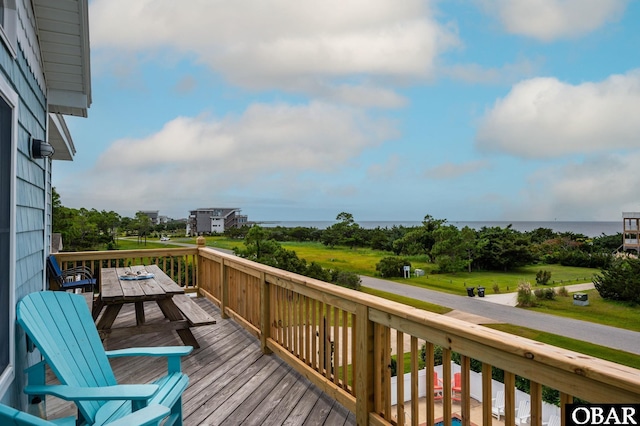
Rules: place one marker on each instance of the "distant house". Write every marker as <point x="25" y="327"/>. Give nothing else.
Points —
<point x="44" y="75"/>
<point x="631" y="231"/>
<point x="214" y="220"/>
<point x="153" y="216"/>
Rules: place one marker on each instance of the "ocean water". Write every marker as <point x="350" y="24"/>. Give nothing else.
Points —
<point x="590" y="229"/>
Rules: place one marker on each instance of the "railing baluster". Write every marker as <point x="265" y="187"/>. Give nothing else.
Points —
<point x="509" y="398"/>
<point x="400" y="409"/>
<point x="415" y="412"/>
<point x="535" y="393"/>
<point x="345" y="349"/>
<point x="486" y="394"/>
<point x="446" y="386"/>
<point x="335" y="349"/>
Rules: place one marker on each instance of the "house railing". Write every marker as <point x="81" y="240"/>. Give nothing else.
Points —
<point x="344" y="340"/>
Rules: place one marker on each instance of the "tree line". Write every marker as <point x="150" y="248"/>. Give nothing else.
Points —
<point x="83" y="229"/>
<point x="453" y="249"/>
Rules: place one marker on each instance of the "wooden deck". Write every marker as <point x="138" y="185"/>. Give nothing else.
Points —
<point x="230" y="381"/>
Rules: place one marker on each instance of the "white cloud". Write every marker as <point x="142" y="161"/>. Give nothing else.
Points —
<point x="452" y="170"/>
<point x="600" y="188"/>
<point x="279" y="43"/>
<point x="191" y="160"/>
<point x="548" y="20"/>
<point x="544" y="117"/>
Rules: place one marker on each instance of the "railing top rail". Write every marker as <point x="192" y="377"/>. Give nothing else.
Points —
<point x="124" y="254"/>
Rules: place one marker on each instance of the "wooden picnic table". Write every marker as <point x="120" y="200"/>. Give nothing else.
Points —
<point x="116" y="290"/>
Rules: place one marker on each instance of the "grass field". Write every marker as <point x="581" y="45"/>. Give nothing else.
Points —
<point x="363" y="262"/>
<point x="607" y="312"/>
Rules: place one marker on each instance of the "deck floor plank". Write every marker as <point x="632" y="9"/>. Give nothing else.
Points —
<point x="230" y="381"/>
<point x="320" y="411"/>
<point x="303" y="407"/>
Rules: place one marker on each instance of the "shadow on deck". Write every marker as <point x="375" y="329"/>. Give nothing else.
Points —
<point x="230" y="381"/>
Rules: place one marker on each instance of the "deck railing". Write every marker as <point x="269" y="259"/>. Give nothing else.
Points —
<point x="342" y="341"/>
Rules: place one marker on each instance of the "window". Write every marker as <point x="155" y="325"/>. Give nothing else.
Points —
<point x="8" y="117"/>
<point x="8" y="24"/>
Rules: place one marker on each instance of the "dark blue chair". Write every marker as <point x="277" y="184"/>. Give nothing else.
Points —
<point x="68" y="279"/>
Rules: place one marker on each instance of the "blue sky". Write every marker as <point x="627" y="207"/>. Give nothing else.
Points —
<point x="389" y="110"/>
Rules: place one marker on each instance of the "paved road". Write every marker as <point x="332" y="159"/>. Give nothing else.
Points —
<point x="603" y="335"/>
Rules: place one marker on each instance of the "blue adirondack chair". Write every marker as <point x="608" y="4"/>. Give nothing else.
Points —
<point x="151" y="415"/>
<point x="61" y="327"/>
<point x="60" y="277"/>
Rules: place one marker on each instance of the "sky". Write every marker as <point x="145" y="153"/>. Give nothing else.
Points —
<point x="466" y="110"/>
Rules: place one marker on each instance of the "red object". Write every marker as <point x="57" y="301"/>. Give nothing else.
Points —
<point x="456" y="387"/>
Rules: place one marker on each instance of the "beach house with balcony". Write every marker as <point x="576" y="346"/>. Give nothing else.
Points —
<point x="214" y="220"/>
<point x="631" y="231"/>
<point x="44" y="76"/>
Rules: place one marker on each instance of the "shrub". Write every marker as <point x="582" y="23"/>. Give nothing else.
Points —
<point x="346" y="279"/>
<point x="392" y="266"/>
<point x="526" y="297"/>
<point x="496" y="288"/>
<point x="620" y="280"/>
<point x="543" y="277"/>
<point x="562" y="291"/>
<point x="549" y="294"/>
<point x="315" y="270"/>
<point x="538" y="293"/>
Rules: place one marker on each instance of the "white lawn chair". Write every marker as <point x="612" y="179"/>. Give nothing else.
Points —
<point x="523" y="413"/>
<point x="497" y="405"/>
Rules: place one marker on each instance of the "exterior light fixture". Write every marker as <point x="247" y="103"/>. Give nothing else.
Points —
<point x="41" y="149"/>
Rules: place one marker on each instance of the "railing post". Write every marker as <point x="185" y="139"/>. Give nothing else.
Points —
<point x="200" y="242"/>
<point x="364" y="365"/>
<point x="265" y="313"/>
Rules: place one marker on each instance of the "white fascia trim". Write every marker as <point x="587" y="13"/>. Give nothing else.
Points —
<point x="60" y="138"/>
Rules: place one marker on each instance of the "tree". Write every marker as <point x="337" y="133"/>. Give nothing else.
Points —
<point x="346" y="232"/>
<point x="505" y="249"/>
<point x="143" y="226"/>
<point x="392" y="266"/>
<point x="620" y="280"/>
<point x="449" y="250"/>
<point x="419" y="240"/>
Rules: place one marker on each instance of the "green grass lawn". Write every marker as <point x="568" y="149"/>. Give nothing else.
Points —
<point x="601" y="311"/>
<point x="363" y="262"/>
